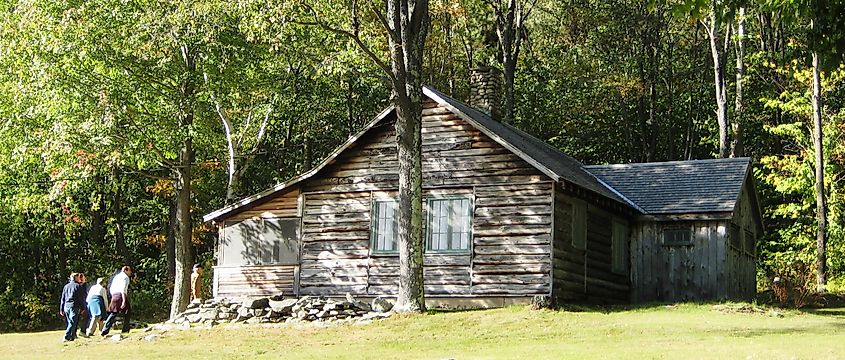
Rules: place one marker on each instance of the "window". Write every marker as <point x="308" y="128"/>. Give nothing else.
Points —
<point x="384" y="227"/>
<point x="749" y="243"/>
<point x="677" y="237"/>
<point x="282" y="237"/>
<point x="734" y="238"/>
<point x="449" y="224"/>
<point x="260" y="242"/>
<point x="620" y="247"/>
<point x="579" y="225"/>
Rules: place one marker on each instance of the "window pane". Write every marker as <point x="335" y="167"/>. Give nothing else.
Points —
<point x="677" y="237"/>
<point x="449" y="226"/>
<point x="384" y="228"/>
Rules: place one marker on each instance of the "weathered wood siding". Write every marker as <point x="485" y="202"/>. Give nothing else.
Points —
<point x="255" y="280"/>
<point x="281" y="206"/>
<point x="679" y="273"/>
<point x="264" y="279"/>
<point x="742" y="265"/>
<point x="511" y="225"/>
<point x="586" y="274"/>
<point x="512" y="230"/>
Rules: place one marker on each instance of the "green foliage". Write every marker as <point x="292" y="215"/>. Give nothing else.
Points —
<point x="90" y="101"/>
<point x="791" y="177"/>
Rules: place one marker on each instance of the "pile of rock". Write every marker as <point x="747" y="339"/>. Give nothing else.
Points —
<point x="277" y="309"/>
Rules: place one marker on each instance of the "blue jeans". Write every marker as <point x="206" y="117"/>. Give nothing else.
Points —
<point x="72" y="317"/>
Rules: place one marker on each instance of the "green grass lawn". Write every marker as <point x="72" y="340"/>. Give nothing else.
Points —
<point x="659" y="332"/>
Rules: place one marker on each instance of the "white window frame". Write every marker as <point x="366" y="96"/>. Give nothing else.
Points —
<point x="375" y="225"/>
<point x="467" y="226"/>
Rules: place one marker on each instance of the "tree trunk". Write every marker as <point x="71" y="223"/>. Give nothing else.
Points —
<point x="821" y="199"/>
<point x="98" y="214"/>
<point x="409" y="27"/>
<point x="510" y="29"/>
<point x="510" y="79"/>
<point x="737" y="146"/>
<point x="172" y="230"/>
<point x="308" y="154"/>
<point x="719" y="81"/>
<point x="119" y="233"/>
<point x="183" y="254"/>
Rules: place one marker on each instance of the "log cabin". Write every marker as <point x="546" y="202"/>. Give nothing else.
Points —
<point x="506" y="218"/>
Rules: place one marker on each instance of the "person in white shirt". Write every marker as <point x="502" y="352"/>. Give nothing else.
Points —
<point x="96" y="301"/>
<point x="119" y="304"/>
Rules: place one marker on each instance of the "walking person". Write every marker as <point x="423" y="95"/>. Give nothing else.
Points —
<point x="72" y="305"/>
<point x="84" y="316"/>
<point x="119" y="304"/>
<point x="96" y="306"/>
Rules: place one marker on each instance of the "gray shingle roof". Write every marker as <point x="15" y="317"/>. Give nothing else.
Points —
<point x="558" y="165"/>
<point x="695" y="186"/>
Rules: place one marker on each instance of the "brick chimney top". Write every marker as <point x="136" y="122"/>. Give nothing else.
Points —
<point x="485" y="91"/>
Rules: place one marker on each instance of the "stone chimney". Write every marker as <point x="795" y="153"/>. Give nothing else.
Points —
<point x="485" y="88"/>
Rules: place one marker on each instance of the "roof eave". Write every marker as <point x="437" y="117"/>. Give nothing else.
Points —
<point x="441" y="101"/>
<point x="691" y="216"/>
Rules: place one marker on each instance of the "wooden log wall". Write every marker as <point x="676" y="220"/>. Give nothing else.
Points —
<point x="260" y="280"/>
<point x="603" y="285"/>
<point x="586" y="274"/>
<point x="511" y="249"/>
<point x="568" y="261"/>
<point x="680" y="273"/>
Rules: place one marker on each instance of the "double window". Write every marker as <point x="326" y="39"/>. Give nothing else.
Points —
<point x="448" y="225"/>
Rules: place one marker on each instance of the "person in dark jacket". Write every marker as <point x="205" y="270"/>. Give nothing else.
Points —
<point x="72" y="305"/>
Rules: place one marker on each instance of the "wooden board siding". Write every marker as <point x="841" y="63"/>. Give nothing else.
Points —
<point x="742" y="271"/>
<point x="585" y="274"/>
<point x="284" y="205"/>
<point x="511" y="225"/>
<point x="260" y="280"/>
<point x="679" y="273"/>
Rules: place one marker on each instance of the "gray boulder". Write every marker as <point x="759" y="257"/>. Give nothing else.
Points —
<point x="256" y="303"/>
<point x="284" y="307"/>
<point x="209" y="314"/>
<point x="381" y="305"/>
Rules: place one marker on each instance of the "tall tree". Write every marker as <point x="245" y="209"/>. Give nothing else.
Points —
<point x="406" y="24"/>
<point x="826" y="43"/>
<point x="821" y="196"/>
<point x="737" y="145"/>
<point x="718" y="47"/>
<point x="510" y="17"/>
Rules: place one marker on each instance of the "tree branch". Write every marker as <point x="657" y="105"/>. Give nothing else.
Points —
<point x="357" y="39"/>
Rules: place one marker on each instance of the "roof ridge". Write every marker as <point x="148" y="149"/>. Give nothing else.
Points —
<point x="671" y="162"/>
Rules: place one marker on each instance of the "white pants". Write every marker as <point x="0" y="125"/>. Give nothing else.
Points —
<point x="95" y="324"/>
